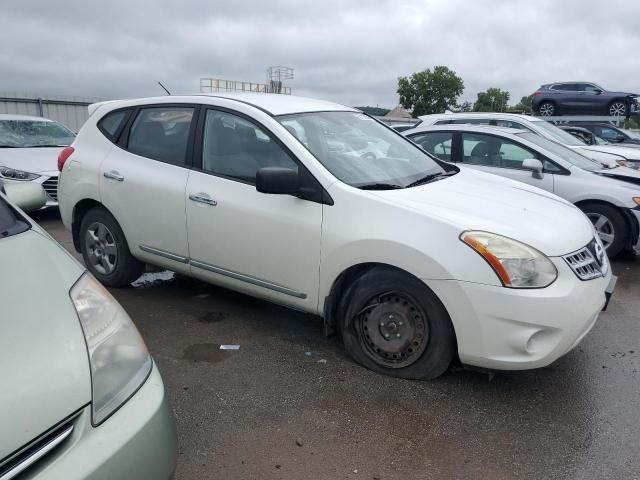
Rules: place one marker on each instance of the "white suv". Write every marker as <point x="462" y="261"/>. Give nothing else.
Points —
<point x="412" y="259"/>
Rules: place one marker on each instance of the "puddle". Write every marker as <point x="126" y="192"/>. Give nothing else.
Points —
<point x="152" y="279"/>
<point x="212" y="317"/>
<point x="205" y="352"/>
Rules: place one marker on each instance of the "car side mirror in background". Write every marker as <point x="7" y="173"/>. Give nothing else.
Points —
<point x="597" y="91"/>
<point x="619" y="138"/>
<point x="535" y="166"/>
<point x="27" y="196"/>
<point x="278" y="181"/>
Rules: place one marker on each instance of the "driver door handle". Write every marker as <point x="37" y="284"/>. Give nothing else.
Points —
<point x="113" y="175"/>
<point x="202" y="198"/>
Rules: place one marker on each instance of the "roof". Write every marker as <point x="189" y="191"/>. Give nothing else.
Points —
<point x="11" y="116"/>
<point x="399" y="112"/>
<point x="452" y="116"/>
<point x="465" y="128"/>
<point x="272" y="103"/>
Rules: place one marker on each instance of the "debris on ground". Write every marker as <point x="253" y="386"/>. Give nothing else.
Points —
<point x="229" y="347"/>
<point x="307" y="354"/>
<point x="299" y="442"/>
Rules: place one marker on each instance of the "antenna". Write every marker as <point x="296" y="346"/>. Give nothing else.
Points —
<point x="168" y="92"/>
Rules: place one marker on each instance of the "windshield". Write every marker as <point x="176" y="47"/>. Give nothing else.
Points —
<point x="359" y="151"/>
<point x="563" y="152"/>
<point x="632" y="134"/>
<point x="33" y="133"/>
<point x="557" y="134"/>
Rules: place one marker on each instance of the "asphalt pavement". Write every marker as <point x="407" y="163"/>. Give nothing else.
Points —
<point x="290" y="404"/>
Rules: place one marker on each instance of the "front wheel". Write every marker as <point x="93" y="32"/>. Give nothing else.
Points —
<point x="392" y="323"/>
<point x="610" y="226"/>
<point x="105" y="251"/>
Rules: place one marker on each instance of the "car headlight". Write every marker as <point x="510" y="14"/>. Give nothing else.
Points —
<point x="118" y="357"/>
<point x="13" y="174"/>
<point x="516" y="264"/>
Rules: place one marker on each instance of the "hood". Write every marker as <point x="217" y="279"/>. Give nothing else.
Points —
<point x="629" y="153"/>
<point x="472" y="200"/>
<point x="623" y="94"/>
<point x="33" y="160"/>
<point x="44" y="364"/>
<point x="630" y="176"/>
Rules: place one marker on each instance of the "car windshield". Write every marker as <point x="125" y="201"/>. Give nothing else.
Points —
<point x="360" y="151"/>
<point x="557" y="134"/>
<point x="632" y="134"/>
<point x="33" y="133"/>
<point x="563" y="152"/>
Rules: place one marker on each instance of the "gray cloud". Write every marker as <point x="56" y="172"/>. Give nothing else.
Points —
<point x="350" y="52"/>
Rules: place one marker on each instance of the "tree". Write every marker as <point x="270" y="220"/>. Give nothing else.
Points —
<point x="524" y="106"/>
<point x="430" y="91"/>
<point x="465" y="106"/>
<point x="493" y="100"/>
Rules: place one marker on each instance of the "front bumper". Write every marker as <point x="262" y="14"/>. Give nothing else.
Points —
<point x="518" y="329"/>
<point x="137" y="441"/>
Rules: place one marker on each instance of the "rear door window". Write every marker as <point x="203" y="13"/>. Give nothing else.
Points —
<point x="438" y="144"/>
<point x="161" y="133"/>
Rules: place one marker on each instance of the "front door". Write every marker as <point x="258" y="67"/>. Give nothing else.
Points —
<point x="500" y="156"/>
<point x="143" y="180"/>
<point x="264" y="245"/>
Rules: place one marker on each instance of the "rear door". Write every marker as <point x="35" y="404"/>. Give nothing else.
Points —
<point x="500" y="156"/>
<point x="260" y="244"/>
<point x="143" y="182"/>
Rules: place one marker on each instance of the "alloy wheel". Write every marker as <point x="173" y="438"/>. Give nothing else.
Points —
<point x="547" y="109"/>
<point x="618" y="109"/>
<point x="101" y="248"/>
<point x="604" y="228"/>
<point x="393" y="329"/>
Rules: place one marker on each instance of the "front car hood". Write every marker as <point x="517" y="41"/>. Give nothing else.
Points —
<point x="624" y="174"/>
<point x="33" y="160"/>
<point x="473" y="200"/>
<point x="44" y="364"/>
<point x="625" y="152"/>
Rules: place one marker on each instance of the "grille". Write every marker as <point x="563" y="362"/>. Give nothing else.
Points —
<point x="38" y="450"/>
<point x="50" y="186"/>
<point x="589" y="262"/>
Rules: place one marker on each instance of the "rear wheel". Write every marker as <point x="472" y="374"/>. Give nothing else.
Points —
<point x="547" y="109"/>
<point x="394" y="324"/>
<point x="618" y="109"/>
<point x="610" y="226"/>
<point x="105" y="250"/>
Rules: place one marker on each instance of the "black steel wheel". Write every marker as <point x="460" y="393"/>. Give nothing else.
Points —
<point x="393" y="323"/>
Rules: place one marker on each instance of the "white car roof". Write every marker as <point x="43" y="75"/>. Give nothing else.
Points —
<point x="507" y="131"/>
<point x="11" y="116"/>
<point x="491" y="115"/>
<point x="272" y="103"/>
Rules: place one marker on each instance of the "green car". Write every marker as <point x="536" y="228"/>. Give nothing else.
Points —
<point x="80" y="396"/>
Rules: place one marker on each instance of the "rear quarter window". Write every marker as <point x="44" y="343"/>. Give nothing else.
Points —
<point x="111" y="124"/>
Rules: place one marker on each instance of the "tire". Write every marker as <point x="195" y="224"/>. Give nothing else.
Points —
<point x="105" y="250"/>
<point x="417" y="327"/>
<point x="618" y="108"/>
<point x="614" y="225"/>
<point x="547" y="109"/>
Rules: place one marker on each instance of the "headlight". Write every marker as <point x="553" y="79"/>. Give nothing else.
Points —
<point x="13" y="174"/>
<point x="516" y="264"/>
<point x="118" y="357"/>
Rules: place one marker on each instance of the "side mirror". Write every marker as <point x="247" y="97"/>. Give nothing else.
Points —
<point x="597" y="91"/>
<point x="535" y="166"/>
<point x="278" y="181"/>
<point x="27" y="196"/>
<point x="620" y="138"/>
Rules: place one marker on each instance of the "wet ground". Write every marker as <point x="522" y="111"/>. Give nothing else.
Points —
<point x="289" y="404"/>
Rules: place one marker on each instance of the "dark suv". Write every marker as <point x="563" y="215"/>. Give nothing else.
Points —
<point x="581" y="97"/>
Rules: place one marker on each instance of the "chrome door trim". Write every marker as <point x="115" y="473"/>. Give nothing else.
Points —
<point x="247" y="279"/>
<point x="38" y="454"/>
<point x="163" y="253"/>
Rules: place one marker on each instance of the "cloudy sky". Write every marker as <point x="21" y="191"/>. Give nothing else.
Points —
<point x="343" y="50"/>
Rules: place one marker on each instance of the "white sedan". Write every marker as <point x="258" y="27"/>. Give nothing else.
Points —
<point x="412" y="259"/>
<point x="29" y="148"/>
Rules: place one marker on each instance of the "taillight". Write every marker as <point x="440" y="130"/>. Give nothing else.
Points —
<point x="63" y="156"/>
<point x="537" y="93"/>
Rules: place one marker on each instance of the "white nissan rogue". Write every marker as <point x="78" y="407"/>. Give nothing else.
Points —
<point x="413" y="260"/>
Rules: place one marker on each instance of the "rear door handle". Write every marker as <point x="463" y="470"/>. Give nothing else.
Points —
<point x="113" y="175"/>
<point x="202" y="198"/>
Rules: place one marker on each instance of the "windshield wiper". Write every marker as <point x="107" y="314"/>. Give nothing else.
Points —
<point x="379" y="186"/>
<point x="431" y="177"/>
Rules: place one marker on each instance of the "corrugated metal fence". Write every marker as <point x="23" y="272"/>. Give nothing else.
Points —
<point x="70" y="111"/>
